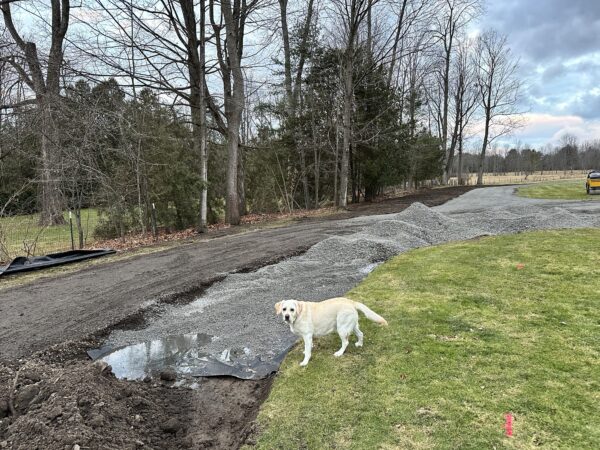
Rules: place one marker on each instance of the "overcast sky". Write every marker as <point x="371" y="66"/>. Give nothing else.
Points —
<point x="558" y="42"/>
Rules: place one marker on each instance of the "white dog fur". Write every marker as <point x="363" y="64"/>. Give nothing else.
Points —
<point x="308" y="319"/>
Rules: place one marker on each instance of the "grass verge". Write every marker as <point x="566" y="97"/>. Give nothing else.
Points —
<point x="477" y="329"/>
<point x="558" y="190"/>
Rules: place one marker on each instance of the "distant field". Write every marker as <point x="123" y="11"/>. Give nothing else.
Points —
<point x="559" y="190"/>
<point x="22" y="235"/>
<point x="521" y="177"/>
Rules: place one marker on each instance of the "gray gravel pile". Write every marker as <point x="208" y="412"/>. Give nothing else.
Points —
<point x="238" y="312"/>
<point x="438" y="227"/>
<point x="359" y="248"/>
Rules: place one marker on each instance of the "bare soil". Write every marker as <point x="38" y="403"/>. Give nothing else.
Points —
<point x="52" y="396"/>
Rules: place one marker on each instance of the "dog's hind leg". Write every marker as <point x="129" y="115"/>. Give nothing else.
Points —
<point x="359" y="334"/>
<point x="345" y="326"/>
<point x="344" y="338"/>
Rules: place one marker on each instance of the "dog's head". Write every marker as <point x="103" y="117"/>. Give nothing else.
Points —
<point x="289" y="310"/>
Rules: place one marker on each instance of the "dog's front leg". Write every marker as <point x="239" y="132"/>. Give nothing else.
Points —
<point x="307" y="349"/>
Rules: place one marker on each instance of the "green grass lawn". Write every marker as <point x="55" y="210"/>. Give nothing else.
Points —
<point x="559" y="190"/>
<point x="471" y="337"/>
<point x="21" y="232"/>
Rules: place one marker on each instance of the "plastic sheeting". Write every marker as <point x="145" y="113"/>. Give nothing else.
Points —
<point x="23" y="264"/>
<point x="186" y="354"/>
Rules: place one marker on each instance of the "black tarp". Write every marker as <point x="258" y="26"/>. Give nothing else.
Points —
<point x="23" y="264"/>
<point x="186" y="356"/>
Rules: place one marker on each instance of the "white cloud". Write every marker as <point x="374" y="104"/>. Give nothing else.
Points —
<point x="559" y="64"/>
<point x="540" y="129"/>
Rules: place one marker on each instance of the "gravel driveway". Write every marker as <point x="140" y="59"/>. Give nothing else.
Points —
<point x="237" y="313"/>
<point x="54" y="309"/>
<point x="504" y="197"/>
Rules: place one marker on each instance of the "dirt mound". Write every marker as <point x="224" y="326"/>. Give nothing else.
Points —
<point x="82" y="405"/>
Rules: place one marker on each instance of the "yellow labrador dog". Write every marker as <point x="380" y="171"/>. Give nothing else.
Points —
<point x="308" y="319"/>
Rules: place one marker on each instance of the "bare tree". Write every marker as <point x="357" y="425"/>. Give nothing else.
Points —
<point x="453" y="17"/>
<point x="499" y="89"/>
<point x="464" y="95"/>
<point x="411" y="16"/>
<point x="292" y="87"/>
<point x="230" y="49"/>
<point x="351" y="14"/>
<point x="196" y="45"/>
<point x="169" y="42"/>
<point x="30" y="65"/>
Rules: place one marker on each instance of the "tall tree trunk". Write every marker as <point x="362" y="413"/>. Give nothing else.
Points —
<point x="293" y="91"/>
<point x="232" y="212"/>
<point x="51" y="198"/>
<point x="369" y="25"/>
<point x="453" y="142"/>
<point x="460" y="154"/>
<point x="241" y="186"/>
<point x="196" y="62"/>
<point x="336" y="200"/>
<point x="287" y="64"/>
<point x="399" y="29"/>
<point x="316" y="163"/>
<point x="47" y="92"/>
<point x="202" y="129"/>
<point x="304" y="175"/>
<point x="483" y="149"/>
<point x="347" y="123"/>
<point x="234" y="103"/>
<point x="447" y="155"/>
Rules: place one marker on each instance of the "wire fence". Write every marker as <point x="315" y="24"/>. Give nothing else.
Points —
<point x="24" y="235"/>
<point x="522" y="177"/>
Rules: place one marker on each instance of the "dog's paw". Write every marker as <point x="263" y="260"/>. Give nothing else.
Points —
<point x="359" y="344"/>
<point x="304" y="363"/>
<point x="338" y="354"/>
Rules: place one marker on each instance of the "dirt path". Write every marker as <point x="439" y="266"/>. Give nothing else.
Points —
<point x="52" y="397"/>
<point x="40" y="314"/>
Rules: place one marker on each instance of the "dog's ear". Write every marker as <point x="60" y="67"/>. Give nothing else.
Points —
<point x="278" y="308"/>
<point x="299" y="308"/>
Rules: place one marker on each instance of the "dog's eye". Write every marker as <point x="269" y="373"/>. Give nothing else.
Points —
<point x="291" y="309"/>
<point x="284" y="309"/>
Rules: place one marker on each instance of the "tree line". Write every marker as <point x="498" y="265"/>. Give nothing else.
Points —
<point x="209" y="109"/>
<point x="567" y="156"/>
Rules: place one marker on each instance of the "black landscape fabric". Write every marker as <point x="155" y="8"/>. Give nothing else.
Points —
<point x="23" y="264"/>
<point x="129" y="363"/>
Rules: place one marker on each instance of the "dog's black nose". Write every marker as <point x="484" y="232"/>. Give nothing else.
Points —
<point x="287" y="317"/>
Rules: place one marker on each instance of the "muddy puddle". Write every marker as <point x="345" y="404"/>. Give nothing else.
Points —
<point x="187" y="356"/>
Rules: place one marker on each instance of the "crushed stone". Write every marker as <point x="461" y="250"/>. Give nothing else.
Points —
<point x="239" y="310"/>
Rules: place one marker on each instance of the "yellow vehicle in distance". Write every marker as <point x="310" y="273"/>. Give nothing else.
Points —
<point x="592" y="183"/>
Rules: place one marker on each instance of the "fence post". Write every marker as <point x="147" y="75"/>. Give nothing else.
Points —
<point x="71" y="227"/>
<point x="154" y="230"/>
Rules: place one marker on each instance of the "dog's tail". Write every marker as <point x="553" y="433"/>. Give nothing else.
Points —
<point x="369" y="314"/>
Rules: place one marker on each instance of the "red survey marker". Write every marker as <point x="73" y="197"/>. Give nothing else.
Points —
<point x="508" y="425"/>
